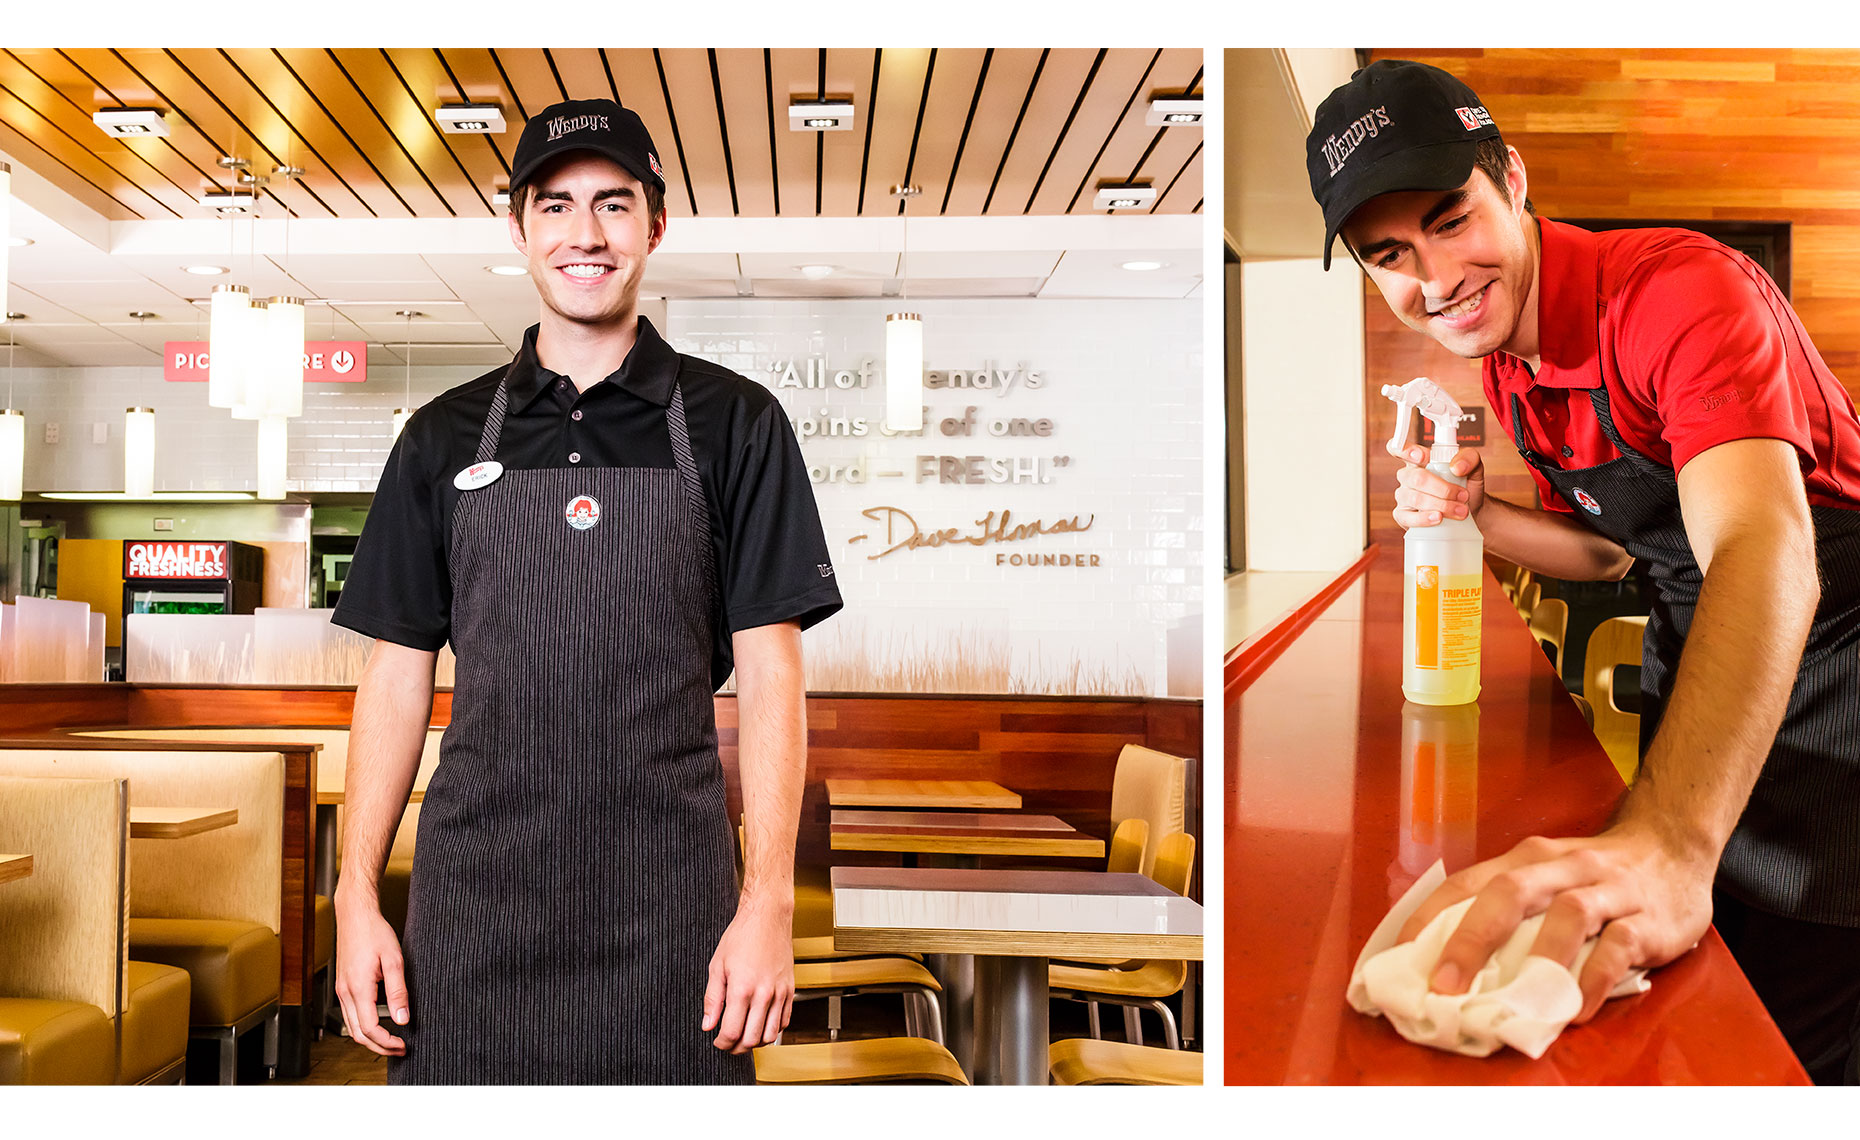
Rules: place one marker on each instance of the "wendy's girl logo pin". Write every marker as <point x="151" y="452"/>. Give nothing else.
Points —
<point x="582" y="512"/>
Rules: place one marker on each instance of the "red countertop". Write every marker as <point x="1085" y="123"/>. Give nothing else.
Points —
<point x="1330" y="816"/>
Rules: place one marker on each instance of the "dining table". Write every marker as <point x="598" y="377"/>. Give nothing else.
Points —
<point x="960" y="834"/>
<point x="921" y="795"/>
<point x="1014" y="923"/>
<point x="15" y="867"/>
<point x="178" y="822"/>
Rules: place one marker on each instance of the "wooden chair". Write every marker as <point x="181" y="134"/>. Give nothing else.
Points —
<point x="1143" y="983"/>
<point x="837" y="979"/>
<point x="875" y="1061"/>
<point x="1083" y="1061"/>
<point x="1587" y="709"/>
<point x="1127" y="846"/>
<point x="1615" y="642"/>
<point x="1549" y="623"/>
<point x="1151" y="786"/>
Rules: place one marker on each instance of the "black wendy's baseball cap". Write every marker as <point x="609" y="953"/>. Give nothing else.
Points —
<point x="599" y="125"/>
<point x="1396" y="125"/>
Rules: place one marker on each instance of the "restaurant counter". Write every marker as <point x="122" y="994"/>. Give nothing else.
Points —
<point x="1339" y="794"/>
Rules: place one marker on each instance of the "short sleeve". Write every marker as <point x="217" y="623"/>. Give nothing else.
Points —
<point x="775" y="566"/>
<point x="399" y="586"/>
<point x="1711" y="339"/>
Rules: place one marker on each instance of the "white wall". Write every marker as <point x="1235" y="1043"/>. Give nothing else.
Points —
<point x="1301" y="346"/>
<point x="1122" y="387"/>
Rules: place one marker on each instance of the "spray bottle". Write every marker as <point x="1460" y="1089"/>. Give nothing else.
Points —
<point x="1443" y="568"/>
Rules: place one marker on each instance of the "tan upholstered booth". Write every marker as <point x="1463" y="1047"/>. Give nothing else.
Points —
<point x="209" y="904"/>
<point x="64" y="976"/>
<point x="1151" y="786"/>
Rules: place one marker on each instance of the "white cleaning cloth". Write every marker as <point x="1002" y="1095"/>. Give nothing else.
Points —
<point x="1517" y="999"/>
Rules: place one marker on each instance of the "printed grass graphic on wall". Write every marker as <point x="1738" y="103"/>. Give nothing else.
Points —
<point x="858" y="659"/>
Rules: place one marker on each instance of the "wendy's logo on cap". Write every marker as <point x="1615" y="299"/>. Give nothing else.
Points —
<point x="1339" y="147"/>
<point x="582" y="512"/>
<point x="564" y="124"/>
<point x="1472" y="118"/>
<point x="652" y="160"/>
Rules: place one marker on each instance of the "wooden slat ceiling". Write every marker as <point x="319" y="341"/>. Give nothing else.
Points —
<point x="996" y="132"/>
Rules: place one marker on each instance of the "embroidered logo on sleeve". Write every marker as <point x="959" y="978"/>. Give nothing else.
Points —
<point x="826" y="569"/>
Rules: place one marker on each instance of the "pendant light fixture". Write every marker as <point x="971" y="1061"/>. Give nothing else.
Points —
<point x="273" y="451"/>
<point x="139" y="451"/>
<point x="282" y="371"/>
<point x="247" y="347"/>
<point x="12" y="432"/>
<point x="904" y="341"/>
<point x="405" y="412"/>
<point x="6" y="229"/>
<point x="225" y="322"/>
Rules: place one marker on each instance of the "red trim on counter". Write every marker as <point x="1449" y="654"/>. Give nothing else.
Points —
<point x="1251" y="656"/>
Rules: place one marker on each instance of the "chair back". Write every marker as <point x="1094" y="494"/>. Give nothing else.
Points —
<point x="1527" y="600"/>
<point x="1550" y="624"/>
<point x="1151" y="786"/>
<point x="1615" y="642"/>
<point x="1127" y="845"/>
<point x="234" y="873"/>
<point x="63" y="928"/>
<point x="1175" y="861"/>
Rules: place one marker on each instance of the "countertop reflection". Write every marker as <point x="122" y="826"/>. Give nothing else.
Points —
<point x="1339" y="794"/>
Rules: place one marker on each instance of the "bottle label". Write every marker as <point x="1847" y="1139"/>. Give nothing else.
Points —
<point x="1446" y="619"/>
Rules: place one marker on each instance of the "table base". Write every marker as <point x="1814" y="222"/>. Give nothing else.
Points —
<point x="1012" y="1029"/>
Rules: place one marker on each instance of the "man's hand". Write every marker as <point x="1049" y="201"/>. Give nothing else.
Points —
<point x="751" y="990"/>
<point x="367" y="955"/>
<point x="1424" y="498"/>
<point x="1649" y="900"/>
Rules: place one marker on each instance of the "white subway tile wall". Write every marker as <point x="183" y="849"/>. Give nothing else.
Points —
<point x="1119" y="381"/>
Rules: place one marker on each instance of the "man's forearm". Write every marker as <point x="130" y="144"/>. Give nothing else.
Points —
<point x="1551" y="544"/>
<point x="1739" y="665"/>
<point x="393" y="707"/>
<point x="771" y="760"/>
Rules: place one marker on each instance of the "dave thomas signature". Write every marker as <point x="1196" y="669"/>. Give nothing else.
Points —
<point x="994" y="527"/>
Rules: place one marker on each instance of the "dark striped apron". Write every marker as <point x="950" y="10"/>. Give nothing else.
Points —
<point x="1796" y="849"/>
<point x="575" y="866"/>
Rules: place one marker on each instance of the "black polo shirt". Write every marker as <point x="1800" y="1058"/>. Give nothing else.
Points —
<point x="772" y="562"/>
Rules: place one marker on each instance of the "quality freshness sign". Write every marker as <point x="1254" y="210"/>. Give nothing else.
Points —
<point x="325" y="361"/>
<point x="174" y="560"/>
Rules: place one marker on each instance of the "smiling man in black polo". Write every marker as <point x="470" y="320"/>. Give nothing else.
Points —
<point x="602" y="530"/>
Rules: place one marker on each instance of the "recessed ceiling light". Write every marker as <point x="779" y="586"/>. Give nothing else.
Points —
<point x="820" y="115"/>
<point x="1142" y="266"/>
<point x="508" y="270"/>
<point x="142" y="315"/>
<point x="1174" y="111"/>
<point x="16" y="242"/>
<point x="815" y="272"/>
<point x="131" y="122"/>
<point x="471" y="119"/>
<point x="205" y="270"/>
<point x="1122" y="196"/>
<point x="500" y="198"/>
<point x="228" y="201"/>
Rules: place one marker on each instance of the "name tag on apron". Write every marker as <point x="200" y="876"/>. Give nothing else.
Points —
<point x="478" y="475"/>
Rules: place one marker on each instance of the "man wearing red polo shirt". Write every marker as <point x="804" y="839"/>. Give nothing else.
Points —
<point x="1672" y="410"/>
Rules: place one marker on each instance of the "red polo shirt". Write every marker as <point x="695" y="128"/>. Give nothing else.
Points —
<point x="1696" y="347"/>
